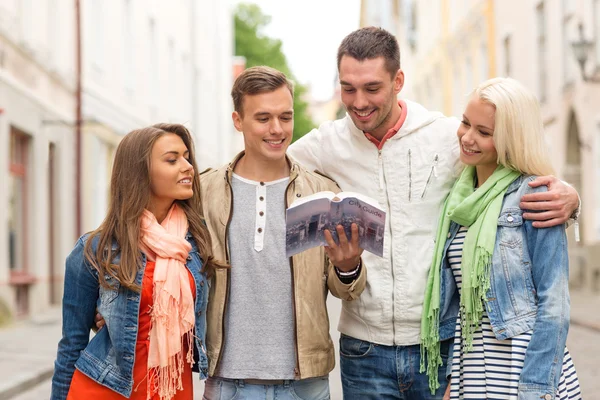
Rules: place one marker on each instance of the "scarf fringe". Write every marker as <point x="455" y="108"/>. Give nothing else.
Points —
<point x="480" y="284"/>
<point x="166" y="381"/>
<point x="430" y="351"/>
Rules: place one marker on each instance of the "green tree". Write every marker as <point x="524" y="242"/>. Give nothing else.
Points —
<point x="259" y="49"/>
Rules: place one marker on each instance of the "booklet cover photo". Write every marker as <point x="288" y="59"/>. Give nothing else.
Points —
<point x="307" y="219"/>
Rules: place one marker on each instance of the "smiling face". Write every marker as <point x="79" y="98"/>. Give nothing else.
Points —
<point x="476" y="137"/>
<point x="267" y="122"/>
<point x="369" y="94"/>
<point x="170" y="172"/>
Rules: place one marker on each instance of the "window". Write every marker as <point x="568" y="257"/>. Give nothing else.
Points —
<point x="541" y="49"/>
<point x="53" y="231"/>
<point x="18" y="196"/>
<point x="507" y="55"/>
<point x="17" y="218"/>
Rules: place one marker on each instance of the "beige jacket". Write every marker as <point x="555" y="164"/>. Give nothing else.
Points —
<point x="312" y="274"/>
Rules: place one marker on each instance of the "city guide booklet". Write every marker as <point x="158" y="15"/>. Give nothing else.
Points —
<point x="308" y="217"/>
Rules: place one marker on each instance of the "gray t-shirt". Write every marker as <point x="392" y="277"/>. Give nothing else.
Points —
<point x="259" y="320"/>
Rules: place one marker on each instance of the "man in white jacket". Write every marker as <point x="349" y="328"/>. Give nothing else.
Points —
<point x="407" y="158"/>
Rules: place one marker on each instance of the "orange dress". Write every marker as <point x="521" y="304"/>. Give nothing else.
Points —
<point x="84" y="388"/>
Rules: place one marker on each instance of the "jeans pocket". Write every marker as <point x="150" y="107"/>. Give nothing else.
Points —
<point x="311" y="389"/>
<point x="217" y="389"/>
<point x="351" y="347"/>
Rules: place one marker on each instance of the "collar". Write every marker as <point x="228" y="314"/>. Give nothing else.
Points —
<point x="390" y="133"/>
<point x="294" y="167"/>
<point x="516" y="184"/>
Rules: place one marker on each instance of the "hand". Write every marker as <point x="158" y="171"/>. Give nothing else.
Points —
<point x="556" y="205"/>
<point x="447" y="392"/>
<point x="346" y="255"/>
<point x="98" y="321"/>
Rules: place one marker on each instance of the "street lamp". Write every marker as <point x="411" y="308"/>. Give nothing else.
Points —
<point x="581" y="49"/>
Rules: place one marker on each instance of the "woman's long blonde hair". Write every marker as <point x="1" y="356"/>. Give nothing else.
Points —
<point x="519" y="130"/>
<point x="129" y="195"/>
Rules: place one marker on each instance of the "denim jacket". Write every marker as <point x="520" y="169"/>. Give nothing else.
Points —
<point x="108" y="357"/>
<point x="529" y="291"/>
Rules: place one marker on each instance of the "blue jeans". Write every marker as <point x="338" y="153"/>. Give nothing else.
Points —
<point x="375" y="372"/>
<point x="305" y="389"/>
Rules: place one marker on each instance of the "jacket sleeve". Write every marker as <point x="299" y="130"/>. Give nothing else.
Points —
<point x="307" y="150"/>
<point x="344" y="291"/>
<point x="550" y="271"/>
<point x="78" y="311"/>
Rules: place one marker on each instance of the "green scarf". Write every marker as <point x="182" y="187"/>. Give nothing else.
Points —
<point x="478" y="210"/>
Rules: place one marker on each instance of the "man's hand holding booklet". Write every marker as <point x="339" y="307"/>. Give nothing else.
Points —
<point x="307" y="219"/>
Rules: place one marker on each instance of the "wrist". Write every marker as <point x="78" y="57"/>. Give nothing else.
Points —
<point x="348" y="276"/>
<point x="349" y="267"/>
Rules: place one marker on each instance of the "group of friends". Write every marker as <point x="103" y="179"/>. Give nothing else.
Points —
<point x="188" y="270"/>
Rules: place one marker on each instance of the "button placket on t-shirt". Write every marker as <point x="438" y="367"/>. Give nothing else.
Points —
<point x="261" y="216"/>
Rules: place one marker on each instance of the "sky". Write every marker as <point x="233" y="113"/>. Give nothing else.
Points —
<point x="311" y="31"/>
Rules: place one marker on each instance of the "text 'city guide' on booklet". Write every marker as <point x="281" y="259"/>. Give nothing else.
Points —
<point x="308" y="217"/>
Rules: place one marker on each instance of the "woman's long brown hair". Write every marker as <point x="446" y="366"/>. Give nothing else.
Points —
<point x="130" y="193"/>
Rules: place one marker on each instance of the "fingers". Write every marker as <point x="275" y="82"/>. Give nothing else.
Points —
<point x="549" y="223"/>
<point x="342" y="236"/>
<point x="354" y="239"/>
<point x="541" y="197"/>
<point x="542" y="206"/>
<point x="329" y="239"/>
<point x="546" y="215"/>
<point x="543" y="180"/>
<point x="99" y="321"/>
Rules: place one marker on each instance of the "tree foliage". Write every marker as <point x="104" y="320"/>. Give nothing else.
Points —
<point x="259" y="49"/>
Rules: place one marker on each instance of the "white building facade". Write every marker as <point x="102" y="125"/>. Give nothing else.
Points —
<point x="449" y="46"/>
<point x="149" y="61"/>
<point x="143" y="62"/>
<point x="37" y="104"/>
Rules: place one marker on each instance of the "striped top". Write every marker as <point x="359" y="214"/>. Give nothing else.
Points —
<point x="493" y="367"/>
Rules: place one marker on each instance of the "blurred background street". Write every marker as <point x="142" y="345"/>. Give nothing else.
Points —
<point x="77" y="75"/>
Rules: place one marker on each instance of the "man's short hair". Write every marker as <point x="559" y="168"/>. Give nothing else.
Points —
<point x="369" y="43"/>
<point x="256" y="80"/>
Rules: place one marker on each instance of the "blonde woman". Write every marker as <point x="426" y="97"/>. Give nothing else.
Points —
<point x="506" y="280"/>
<point x="145" y="269"/>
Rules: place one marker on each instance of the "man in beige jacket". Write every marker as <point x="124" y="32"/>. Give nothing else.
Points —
<point x="268" y="327"/>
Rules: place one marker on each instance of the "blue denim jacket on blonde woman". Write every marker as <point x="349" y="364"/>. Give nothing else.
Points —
<point x="108" y="357"/>
<point x="529" y="291"/>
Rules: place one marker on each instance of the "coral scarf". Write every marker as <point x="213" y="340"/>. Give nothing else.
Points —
<point x="173" y="309"/>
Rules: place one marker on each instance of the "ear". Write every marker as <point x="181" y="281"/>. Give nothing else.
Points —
<point x="237" y="120"/>
<point x="398" y="81"/>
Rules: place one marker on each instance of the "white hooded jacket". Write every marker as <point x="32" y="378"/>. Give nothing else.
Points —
<point x="410" y="177"/>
